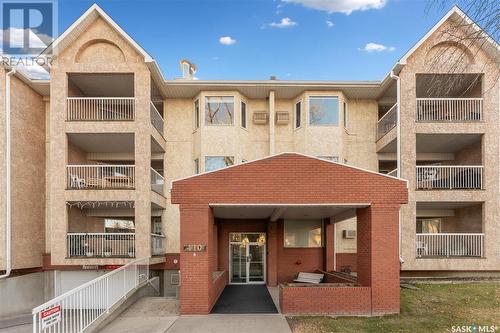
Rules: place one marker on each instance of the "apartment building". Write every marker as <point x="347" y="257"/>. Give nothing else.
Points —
<point x="96" y="150"/>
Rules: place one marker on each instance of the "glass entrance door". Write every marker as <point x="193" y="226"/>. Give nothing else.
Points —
<point x="247" y="258"/>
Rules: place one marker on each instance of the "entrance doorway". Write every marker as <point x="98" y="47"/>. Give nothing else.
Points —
<point x="247" y="258"/>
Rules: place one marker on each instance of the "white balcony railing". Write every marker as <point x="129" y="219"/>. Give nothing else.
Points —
<point x="75" y="310"/>
<point x="157" y="244"/>
<point x="387" y="122"/>
<point x="449" y="109"/>
<point x="100" y="108"/>
<point x="443" y="177"/>
<point x="157" y="181"/>
<point x="156" y="119"/>
<point x="100" y="176"/>
<point x="101" y="245"/>
<point x="450" y="245"/>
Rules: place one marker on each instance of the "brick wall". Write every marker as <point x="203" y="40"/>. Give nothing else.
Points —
<point x="347" y="259"/>
<point x="292" y="179"/>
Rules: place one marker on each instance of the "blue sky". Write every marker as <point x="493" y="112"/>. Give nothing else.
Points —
<point x="300" y="45"/>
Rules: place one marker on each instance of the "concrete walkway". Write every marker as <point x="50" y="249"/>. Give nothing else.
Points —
<point x="148" y="314"/>
<point x="224" y="323"/>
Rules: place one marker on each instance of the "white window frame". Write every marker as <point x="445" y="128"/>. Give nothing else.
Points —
<point x="205" y="110"/>
<point x="195" y="120"/>
<point x="299" y="102"/>
<point x="323" y="97"/>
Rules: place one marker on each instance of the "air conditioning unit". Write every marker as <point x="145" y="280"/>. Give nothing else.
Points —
<point x="260" y="117"/>
<point x="349" y="234"/>
<point x="282" y="117"/>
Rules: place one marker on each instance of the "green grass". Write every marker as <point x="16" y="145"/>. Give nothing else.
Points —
<point x="433" y="308"/>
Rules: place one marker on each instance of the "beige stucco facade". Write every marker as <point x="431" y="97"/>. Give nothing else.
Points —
<point x="45" y="209"/>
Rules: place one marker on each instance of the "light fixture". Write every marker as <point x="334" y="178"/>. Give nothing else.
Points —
<point x="262" y="239"/>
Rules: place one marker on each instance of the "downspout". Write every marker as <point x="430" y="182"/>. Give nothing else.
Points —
<point x="8" y="207"/>
<point x="398" y="147"/>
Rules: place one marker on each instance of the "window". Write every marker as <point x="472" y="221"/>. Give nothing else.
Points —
<point x="219" y="110"/>
<point x="298" y="113"/>
<point x="196" y="114"/>
<point x="324" y="111"/>
<point x="330" y="158"/>
<point x="156" y="226"/>
<point x="345" y="115"/>
<point x="218" y="162"/>
<point x="196" y="166"/>
<point x="303" y="233"/>
<point x="428" y="226"/>
<point x="243" y="115"/>
<point x="118" y="225"/>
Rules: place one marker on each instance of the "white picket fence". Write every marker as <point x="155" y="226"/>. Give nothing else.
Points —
<point x="100" y="108"/>
<point x="117" y="244"/>
<point x="443" y="177"/>
<point x="450" y="245"/>
<point x="449" y="109"/>
<point x="77" y="309"/>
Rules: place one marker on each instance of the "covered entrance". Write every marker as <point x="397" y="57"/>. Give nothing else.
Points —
<point x="262" y="222"/>
<point x="247" y="258"/>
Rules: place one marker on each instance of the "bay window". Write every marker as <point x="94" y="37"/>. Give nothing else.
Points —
<point x="218" y="162"/>
<point x="219" y="110"/>
<point x="324" y="110"/>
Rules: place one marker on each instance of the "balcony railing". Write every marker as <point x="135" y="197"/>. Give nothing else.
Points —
<point x="101" y="245"/>
<point x="393" y="173"/>
<point x="156" y="119"/>
<point x="100" y="108"/>
<point x="157" y="244"/>
<point x="157" y="182"/>
<point x="449" y="109"/>
<point x="100" y="177"/>
<point x="450" y="245"/>
<point x="387" y="122"/>
<point x="441" y="177"/>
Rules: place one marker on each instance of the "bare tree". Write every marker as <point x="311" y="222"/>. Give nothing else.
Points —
<point x="461" y="42"/>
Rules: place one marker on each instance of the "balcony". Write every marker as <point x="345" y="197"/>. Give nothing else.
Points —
<point x="387" y="122"/>
<point x="157" y="244"/>
<point x="156" y="119"/>
<point x="444" y="177"/>
<point x="101" y="245"/>
<point x="157" y="182"/>
<point x="449" y="109"/>
<point x="100" y="109"/>
<point x="85" y="177"/>
<point x="449" y="245"/>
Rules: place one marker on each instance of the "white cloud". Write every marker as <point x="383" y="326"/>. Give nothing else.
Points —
<point x="340" y="6"/>
<point x="374" y="47"/>
<point x="285" y="22"/>
<point x="329" y="23"/>
<point x="227" y="40"/>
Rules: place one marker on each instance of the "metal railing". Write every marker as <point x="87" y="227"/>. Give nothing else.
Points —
<point x="387" y="122"/>
<point x="77" y="309"/>
<point x="449" y="109"/>
<point x="157" y="244"/>
<point x="156" y="118"/>
<point x="100" y="108"/>
<point x="450" y="245"/>
<point x="101" y="245"/>
<point x="444" y="177"/>
<point x="393" y="173"/>
<point x="100" y="177"/>
<point x="157" y="181"/>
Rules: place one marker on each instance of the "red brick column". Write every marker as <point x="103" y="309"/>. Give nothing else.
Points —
<point x="196" y="267"/>
<point x="272" y="253"/>
<point x="378" y="258"/>
<point x="329" y="241"/>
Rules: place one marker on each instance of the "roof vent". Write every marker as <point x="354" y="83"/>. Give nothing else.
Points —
<point x="188" y="69"/>
<point x="272" y="78"/>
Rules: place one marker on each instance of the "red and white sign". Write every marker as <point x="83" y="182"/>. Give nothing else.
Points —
<point x="50" y="316"/>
